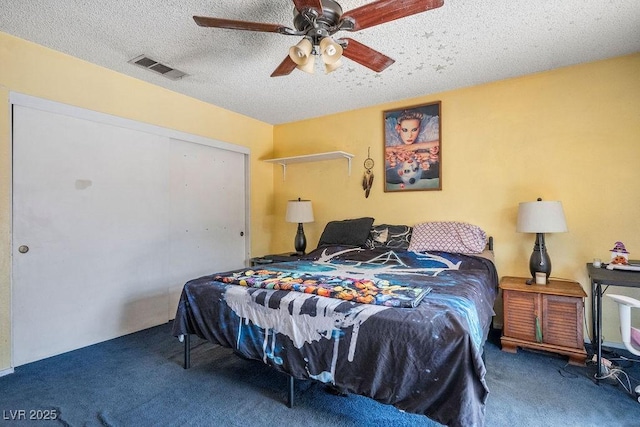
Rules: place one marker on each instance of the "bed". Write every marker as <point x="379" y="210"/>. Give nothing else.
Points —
<point x="392" y="316"/>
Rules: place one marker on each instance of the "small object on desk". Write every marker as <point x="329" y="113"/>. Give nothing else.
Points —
<point x="619" y="254"/>
<point x="625" y="267"/>
<point x="597" y="262"/>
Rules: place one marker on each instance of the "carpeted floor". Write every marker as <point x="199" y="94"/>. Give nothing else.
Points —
<point x="138" y="380"/>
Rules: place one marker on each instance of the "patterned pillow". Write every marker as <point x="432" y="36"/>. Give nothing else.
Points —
<point x="389" y="236"/>
<point x="456" y="237"/>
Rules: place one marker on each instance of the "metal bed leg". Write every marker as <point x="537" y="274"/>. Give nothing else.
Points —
<point x="187" y="351"/>
<point x="291" y="385"/>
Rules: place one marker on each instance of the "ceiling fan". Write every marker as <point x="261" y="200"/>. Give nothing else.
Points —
<point x="318" y="20"/>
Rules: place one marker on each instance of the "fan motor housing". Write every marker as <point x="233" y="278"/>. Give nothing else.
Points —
<point x="330" y="17"/>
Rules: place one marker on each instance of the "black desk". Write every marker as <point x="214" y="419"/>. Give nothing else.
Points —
<point x="600" y="277"/>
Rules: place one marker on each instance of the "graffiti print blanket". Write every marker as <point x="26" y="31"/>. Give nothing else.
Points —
<point x="425" y="359"/>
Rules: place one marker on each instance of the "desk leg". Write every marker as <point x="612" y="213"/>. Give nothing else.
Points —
<point x="594" y="313"/>
<point x="599" y="328"/>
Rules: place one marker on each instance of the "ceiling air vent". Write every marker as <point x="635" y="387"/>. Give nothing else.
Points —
<point x="153" y="65"/>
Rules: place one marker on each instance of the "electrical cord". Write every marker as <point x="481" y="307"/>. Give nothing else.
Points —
<point x="615" y="373"/>
<point x="627" y="359"/>
<point x="560" y="279"/>
<point x="630" y="360"/>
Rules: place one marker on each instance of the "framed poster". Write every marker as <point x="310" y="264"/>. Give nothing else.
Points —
<point x="412" y="148"/>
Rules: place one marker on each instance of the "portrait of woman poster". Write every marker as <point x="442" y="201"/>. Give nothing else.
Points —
<point x="412" y="148"/>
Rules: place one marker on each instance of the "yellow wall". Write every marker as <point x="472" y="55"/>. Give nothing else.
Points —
<point x="571" y="135"/>
<point x="33" y="70"/>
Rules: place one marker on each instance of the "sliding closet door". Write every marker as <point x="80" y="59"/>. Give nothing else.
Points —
<point x="108" y="223"/>
<point x="207" y="205"/>
<point x="90" y="207"/>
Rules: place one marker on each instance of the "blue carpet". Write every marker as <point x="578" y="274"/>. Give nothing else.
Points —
<point x="138" y="380"/>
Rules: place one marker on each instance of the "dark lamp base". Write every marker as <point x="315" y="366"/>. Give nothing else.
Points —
<point x="300" y="242"/>
<point x="539" y="261"/>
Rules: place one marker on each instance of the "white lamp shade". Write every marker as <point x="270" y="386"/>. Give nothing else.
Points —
<point x="541" y="217"/>
<point x="299" y="211"/>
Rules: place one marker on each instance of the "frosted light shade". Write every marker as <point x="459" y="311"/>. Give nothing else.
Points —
<point x="308" y="66"/>
<point x="299" y="211"/>
<point x="301" y="53"/>
<point x="541" y="217"/>
<point x="330" y="50"/>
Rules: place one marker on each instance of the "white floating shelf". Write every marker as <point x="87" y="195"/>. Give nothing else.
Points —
<point x="332" y="155"/>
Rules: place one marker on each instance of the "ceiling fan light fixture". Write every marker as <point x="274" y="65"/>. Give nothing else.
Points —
<point x="330" y="50"/>
<point x="301" y="52"/>
<point x="308" y="66"/>
<point x="318" y="20"/>
<point x="329" y="68"/>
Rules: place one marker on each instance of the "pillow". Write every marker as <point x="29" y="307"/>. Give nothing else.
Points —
<point x="389" y="236"/>
<point x="457" y="237"/>
<point x="352" y="232"/>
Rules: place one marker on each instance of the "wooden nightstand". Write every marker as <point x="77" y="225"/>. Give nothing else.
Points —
<point x="273" y="258"/>
<point x="544" y="317"/>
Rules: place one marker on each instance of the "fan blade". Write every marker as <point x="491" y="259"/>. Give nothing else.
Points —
<point x="382" y="11"/>
<point x="285" y="68"/>
<point x="308" y="4"/>
<point x="366" y="56"/>
<point x="204" y="21"/>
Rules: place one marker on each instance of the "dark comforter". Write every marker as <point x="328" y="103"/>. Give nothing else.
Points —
<point x="426" y="359"/>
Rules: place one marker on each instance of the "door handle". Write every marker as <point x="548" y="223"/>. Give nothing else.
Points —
<point x="23" y="249"/>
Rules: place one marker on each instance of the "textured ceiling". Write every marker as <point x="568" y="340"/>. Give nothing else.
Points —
<point x="463" y="43"/>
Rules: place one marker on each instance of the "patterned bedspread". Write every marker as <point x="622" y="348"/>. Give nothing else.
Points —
<point x="425" y="359"/>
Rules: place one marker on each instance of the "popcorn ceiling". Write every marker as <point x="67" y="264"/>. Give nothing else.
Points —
<point x="463" y="43"/>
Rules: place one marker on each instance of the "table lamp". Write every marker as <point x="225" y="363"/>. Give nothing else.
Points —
<point x="540" y="217"/>
<point x="299" y="211"/>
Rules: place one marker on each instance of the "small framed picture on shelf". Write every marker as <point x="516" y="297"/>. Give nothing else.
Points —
<point x="412" y="148"/>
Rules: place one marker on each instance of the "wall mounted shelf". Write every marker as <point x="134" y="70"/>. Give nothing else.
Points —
<point x="332" y="155"/>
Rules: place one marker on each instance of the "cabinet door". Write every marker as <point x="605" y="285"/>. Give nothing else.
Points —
<point x="521" y="315"/>
<point x="562" y="322"/>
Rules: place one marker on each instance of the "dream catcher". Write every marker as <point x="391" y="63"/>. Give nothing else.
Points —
<point x="367" y="179"/>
